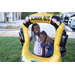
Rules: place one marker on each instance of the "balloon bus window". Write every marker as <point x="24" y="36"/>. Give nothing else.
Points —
<point x="60" y="37"/>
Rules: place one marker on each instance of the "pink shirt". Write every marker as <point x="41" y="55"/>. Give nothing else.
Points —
<point x="37" y="48"/>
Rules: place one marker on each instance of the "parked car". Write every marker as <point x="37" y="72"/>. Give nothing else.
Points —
<point x="67" y="16"/>
<point x="62" y="16"/>
<point x="73" y="15"/>
<point x="71" y="22"/>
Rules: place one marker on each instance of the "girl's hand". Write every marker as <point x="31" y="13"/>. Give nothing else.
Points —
<point x="48" y="39"/>
<point x="20" y="38"/>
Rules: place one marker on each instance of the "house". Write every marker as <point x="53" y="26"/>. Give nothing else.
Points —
<point x="10" y="16"/>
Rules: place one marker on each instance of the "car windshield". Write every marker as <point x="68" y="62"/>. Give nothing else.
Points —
<point x="71" y="12"/>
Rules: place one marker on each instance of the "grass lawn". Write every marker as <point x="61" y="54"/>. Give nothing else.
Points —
<point x="10" y="50"/>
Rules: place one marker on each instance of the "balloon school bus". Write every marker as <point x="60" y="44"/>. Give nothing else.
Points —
<point x="60" y="38"/>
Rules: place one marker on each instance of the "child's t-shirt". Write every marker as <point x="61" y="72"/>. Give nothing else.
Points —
<point x="49" y="47"/>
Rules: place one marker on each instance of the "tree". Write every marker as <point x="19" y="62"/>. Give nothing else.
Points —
<point x="24" y="14"/>
<point x="55" y="13"/>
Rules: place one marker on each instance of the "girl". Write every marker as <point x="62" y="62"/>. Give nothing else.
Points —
<point x="34" y="35"/>
<point x="47" y="45"/>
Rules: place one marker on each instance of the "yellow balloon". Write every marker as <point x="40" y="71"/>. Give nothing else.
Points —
<point x="26" y="56"/>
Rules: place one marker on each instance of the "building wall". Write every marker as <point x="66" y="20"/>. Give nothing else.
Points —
<point x="10" y="16"/>
<point x="1" y="17"/>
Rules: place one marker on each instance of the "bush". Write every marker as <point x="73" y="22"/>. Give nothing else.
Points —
<point x="24" y="14"/>
<point x="55" y="13"/>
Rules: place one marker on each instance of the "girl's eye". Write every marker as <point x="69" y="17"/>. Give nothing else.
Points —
<point x="34" y="28"/>
<point x="37" y="27"/>
<point x="40" y="37"/>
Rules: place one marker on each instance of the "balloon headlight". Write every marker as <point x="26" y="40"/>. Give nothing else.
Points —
<point x="24" y="59"/>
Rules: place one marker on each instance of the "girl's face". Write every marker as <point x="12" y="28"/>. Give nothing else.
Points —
<point x="36" y="29"/>
<point x="42" y="38"/>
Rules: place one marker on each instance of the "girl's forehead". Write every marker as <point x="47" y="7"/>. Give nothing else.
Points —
<point x="41" y="35"/>
<point x="36" y="26"/>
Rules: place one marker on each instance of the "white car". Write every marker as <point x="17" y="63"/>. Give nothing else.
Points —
<point x="71" y="22"/>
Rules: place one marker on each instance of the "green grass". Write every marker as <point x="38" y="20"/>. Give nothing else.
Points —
<point x="70" y="51"/>
<point x="10" y="50"/>
<point x="31" y="46"/>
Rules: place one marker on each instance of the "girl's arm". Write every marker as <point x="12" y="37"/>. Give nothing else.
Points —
<point x="49" y="40"/>
<point x="43" y="49"/>
<point x="21" y="38"/>
<point x="43" y="52"/>
<point x="31" y="39"/>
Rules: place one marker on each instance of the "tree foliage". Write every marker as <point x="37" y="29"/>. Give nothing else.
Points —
<point x="55" y="13"/>
<point x="24" y="14"/>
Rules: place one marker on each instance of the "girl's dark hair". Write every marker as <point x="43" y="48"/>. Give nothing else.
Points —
<point x="44" y="33"/>
<point x="34" y="25"/>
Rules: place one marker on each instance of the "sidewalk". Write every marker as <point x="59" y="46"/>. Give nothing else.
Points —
<point x="15" y="23"/>
<point x="14" y="33"/>
<point x="9" y="32"/>
<point x="71" y="35"/>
